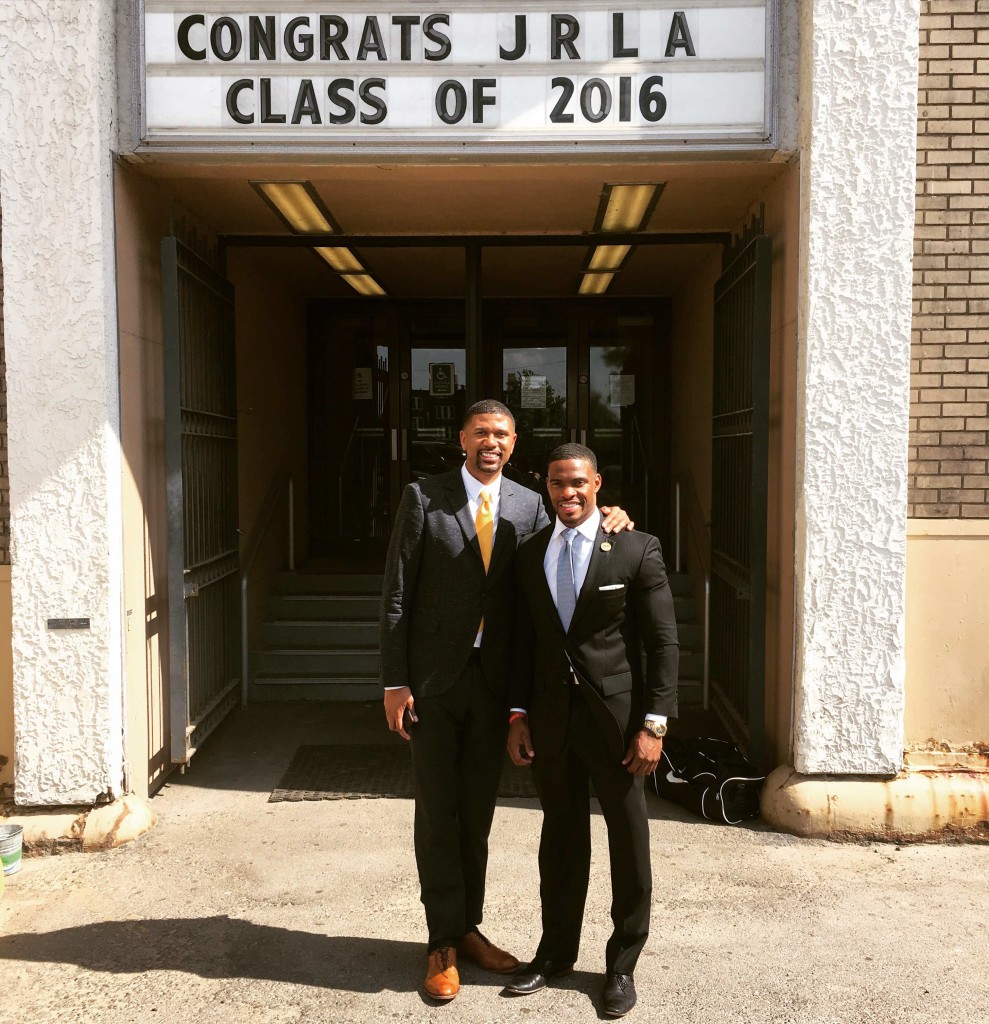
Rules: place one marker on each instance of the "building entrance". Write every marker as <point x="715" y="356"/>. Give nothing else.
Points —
<point x="389" y="385"/>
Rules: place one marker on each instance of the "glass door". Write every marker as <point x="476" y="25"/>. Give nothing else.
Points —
<point x="432" y="396"/>
<point x="586" y="373"/>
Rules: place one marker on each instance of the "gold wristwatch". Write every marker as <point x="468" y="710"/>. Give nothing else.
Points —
<point x="657" y="729"/>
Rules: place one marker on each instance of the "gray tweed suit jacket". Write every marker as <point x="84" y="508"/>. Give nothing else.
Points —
<point x="436" y="590"/>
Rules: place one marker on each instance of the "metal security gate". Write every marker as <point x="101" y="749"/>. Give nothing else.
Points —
<point x="740" y="466"/>
<point x="201" y="461"/>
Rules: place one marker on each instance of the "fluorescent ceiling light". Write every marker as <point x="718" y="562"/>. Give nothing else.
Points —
<point x="299" y="205"/>
<point x="608" y="257"/>
<point x="594" y="284"/>
<point x="341" y="259"/>
<point x="363" y="284"/>
<point x="628" y="207"/>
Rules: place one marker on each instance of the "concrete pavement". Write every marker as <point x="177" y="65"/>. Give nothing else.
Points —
<point x="232" y="909"/>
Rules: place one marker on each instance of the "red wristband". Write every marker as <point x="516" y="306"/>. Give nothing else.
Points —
<point x="515" y="715"/>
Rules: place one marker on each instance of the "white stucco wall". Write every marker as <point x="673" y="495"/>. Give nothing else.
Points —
<point x="57" y="86"/>
<point x="858" y="110"/>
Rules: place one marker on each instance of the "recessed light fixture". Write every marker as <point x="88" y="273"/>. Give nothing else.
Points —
<point x="623" y="208"/>
<point x="300" y="206"/>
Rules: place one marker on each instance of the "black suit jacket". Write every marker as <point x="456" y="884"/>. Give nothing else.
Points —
<point x="436" y="589"/>
<point x="622" y="641"/>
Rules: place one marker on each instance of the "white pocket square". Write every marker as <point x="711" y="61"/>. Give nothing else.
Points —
<point x="613" y="586"/>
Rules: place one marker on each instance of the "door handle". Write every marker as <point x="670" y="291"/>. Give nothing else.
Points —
<point x="394" y="444"/>
<point x="405" y="446"/>
<point x="583" y="438"/>
<point x="573" y="436"/>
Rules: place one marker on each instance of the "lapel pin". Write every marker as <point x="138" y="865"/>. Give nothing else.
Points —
<point x="606" y="546"/>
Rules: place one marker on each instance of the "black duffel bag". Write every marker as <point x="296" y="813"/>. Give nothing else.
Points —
<point x="710" y="777"/>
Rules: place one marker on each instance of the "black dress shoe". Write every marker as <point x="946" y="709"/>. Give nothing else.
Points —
<point x="534" y="976"/>
<point x="618" y="995"/>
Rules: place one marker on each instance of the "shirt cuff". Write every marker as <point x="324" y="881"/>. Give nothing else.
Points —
<point x="658" y="719"/>
<point x="512" y="711"/>
<point x="395" y="687"/>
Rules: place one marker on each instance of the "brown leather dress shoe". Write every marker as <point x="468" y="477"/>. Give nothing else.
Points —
<point x="476" y="948"/>
<point x="442" y="980"/>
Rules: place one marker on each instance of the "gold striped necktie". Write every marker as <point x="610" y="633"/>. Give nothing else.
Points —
<point x="484" y="524"/>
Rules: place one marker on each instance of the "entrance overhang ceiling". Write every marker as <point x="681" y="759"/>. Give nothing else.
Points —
<point x="473" y="200"/>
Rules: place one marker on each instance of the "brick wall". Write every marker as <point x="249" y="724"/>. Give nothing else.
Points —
<point x="4" y="479"/>
<point x="949" y="425"/>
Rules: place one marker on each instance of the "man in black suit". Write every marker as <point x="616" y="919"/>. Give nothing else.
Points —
<point x="583" y="705"/>
<point x="446" y="627"/>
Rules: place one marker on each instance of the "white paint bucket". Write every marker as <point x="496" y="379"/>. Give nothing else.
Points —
<point x="10" y="848"/>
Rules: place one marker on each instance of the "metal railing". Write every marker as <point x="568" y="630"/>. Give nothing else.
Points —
<point x="282" y="484"/>
<point x="688" y="507"/>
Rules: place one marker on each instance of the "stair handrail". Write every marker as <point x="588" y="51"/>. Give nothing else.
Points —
<point x="637" y="434"/>
<point x="281" y="483"/>
<point x="688" y="507"/>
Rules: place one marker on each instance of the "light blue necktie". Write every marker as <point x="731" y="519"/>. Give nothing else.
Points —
<point x="566" y="590"/>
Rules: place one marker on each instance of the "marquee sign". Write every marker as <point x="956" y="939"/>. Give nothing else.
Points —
<point x="292" y="74"/>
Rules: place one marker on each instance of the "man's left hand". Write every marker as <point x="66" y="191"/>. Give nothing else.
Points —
<point x="615" y="519"/>
<point x="643" y="753"/>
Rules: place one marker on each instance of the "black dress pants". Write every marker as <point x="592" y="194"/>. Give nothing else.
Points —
<point x="458" y="749"/>
<point x="565" y="844"/>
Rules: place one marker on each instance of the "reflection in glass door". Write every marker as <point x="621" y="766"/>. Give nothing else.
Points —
<point x="587" y="374"/>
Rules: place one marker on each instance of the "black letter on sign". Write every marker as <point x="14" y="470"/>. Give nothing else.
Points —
<point x="405" y="23"/>
<point x="261" y="36"/>
<point x="599" y="86"/>
<point x="558" y="115"/>
<point x="618" y="47"/>
<point x="349" y="110"/>
<point x="236" y="38"/>
<point x="680" y="36"/>
<point x="267" y="117"/>
<point x="481" y="100"/>
<point x="371" y="41"/>
<point x="376" y="103"/>
<point x="441" y="39"/>
<point x="520" y="43"/>
<point x="302" y="49"/>
<point x="652" y="103"/>
<point x="233" y="94"/>
<point x="564" y="29"/>
<point x="185" y="27"/>
<point x="306" y="105"/>
<point x="333" y="31"/>
<point x="459" y="102"/>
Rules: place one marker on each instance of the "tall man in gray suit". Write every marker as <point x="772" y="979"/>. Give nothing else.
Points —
<point x="446" y="627"/>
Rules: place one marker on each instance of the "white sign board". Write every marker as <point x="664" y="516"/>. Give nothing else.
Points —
<point x="295" y="74"/>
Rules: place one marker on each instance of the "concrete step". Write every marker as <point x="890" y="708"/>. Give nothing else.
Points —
<point x="691" y="665"/>
<point x="690" y="692"/>
<point x="690" y="635"/>
<point x="336" y="663"/>
<point x="312" y="634"/>
<point x="326" y="607"/>
<point x="328" y="583"/>
<point x="686" y="608"/>
<point x="304" y="687"/>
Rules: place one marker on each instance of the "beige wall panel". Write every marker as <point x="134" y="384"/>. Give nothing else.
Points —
<point x="271" y="404"/>
<point x="142" y="219"/>
<point x="947" y="644"/>
<point x="782" y="203"/>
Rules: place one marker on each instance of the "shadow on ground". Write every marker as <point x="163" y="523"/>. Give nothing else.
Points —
<point x="226" y="947"/>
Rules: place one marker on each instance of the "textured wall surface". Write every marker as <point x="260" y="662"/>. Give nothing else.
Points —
<point x="949" y="426"/>
<point x="4" y="476"/>
<point x="57" y="85"/>
<point x="858" y="124"/>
